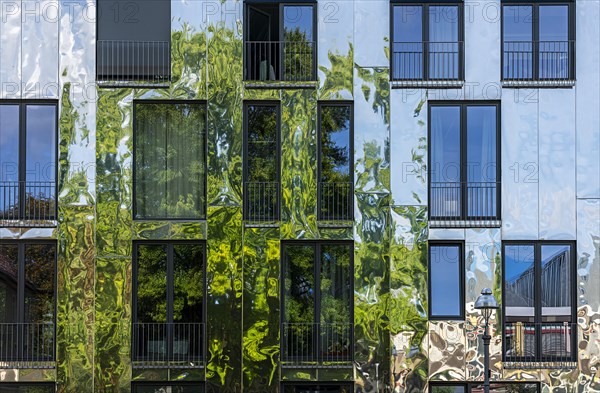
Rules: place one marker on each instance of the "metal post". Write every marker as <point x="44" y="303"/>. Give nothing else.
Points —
<point x="486" y="357"/>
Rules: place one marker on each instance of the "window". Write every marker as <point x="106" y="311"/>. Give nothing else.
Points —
<point x="27" y="302"/>
<point x="134" y="40"/>
<point x="336" y="186"/>
<point x="539" y="305"/>
<point x="318" y="300"/>
<point x="495" y="387"/>
<point x="320" y="388"/>
<point x="262" y="161"/>
<point x="27" y="388"/>
<point x="168" y="307"/>
<point x="170" y="160"/>
<point x="446" y="281"/>
<point x="427" y="42"/>
<point x="280" y="41"/>
<point x="448" y="388"/>
<point x="170" y="387"/>
<point x="538" y="41"/>
<point x="28" y="146"/>
<point x="464" y="174"/>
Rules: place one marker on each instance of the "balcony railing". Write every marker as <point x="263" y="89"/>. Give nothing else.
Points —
<point x="540" y="345"/>
<point x="538" y="62"/>
<point x="435" y="63"/>
<point x="317" y="344"/>
<point x="27" y="345"/>
<point x="462" y="204"/>
<point x="287" y="61"/>
<point x="261" y="201"/>
<point x="133" y="63"/>
<point x="27" y="204"/>
<point x="336" y="201"/>
<point x="164" y="345"/>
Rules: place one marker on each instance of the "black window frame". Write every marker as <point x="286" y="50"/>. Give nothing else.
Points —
<point x="535" y="4"/>
<point x="203" y="215"/>
<point x="191" y="384"/>
<point x="21" y="244"/>
<point x="537" y="245"/>
<point x="281" y="5"/>
<point x="169" y="288"/>
<point x="245" y="174"/>
<point x="462" y="278"/>
<point x="316" y="244"/>
<point x="23" y="104"/>
<point x="425" y="35"/>
<point x="464" y="216"/>
<point x="338" y="103"/>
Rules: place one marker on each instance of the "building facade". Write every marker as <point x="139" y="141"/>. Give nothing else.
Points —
<point x="262" y="196"/>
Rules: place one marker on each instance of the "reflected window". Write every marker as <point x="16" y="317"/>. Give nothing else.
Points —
<point x="170" y="160"/>
<point x="28" y="146"/>
<point x="280" y="41"/>
<point x="169" y="302"/>
<point x="538" y="301"/>
<point x="464" y="167"/>
<point x="335" y="167"/>
<point x="167" y="387"/>
<point x="27" y="301"/>
<point x="446" y="279"/>
<point x="504" y="387"/>
<point x="323" y="388"/>
<point x="537" y="41"/>
<point x="318" y="301"/>
<point x="27" y="388"/>
<point x="447" y="388"/>
<point x="262" y="162"/>
<point x="427" y="42"/>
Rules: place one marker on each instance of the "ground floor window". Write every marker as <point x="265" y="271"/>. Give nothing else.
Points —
<point x="168" y="387"/>
<point x="27" y="388"/>
<point x="317" y="388"/>
<point x="495" y="387"/>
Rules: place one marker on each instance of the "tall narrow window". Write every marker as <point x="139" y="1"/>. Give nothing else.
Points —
<point x="28" y="145"/>
<point x="280" y="42"/>
<point x="170" y="160"/>
<point x="168" y="303"/>
<point x="262" y="161"/>
<point x="336" y="187"/>
<point x="538" y="43"/>
<point x="539" y="301"/>
<point x="317" y="302"/>
<point x="427" y="42"/>
<point x="464" y="170"/>
<point x="27" y="302"/>
<point x="446" y="281"/>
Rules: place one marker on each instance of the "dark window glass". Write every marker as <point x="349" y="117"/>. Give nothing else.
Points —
<point x="168" y="388"/>
<point x="27" y="301"/>
<point x="464" y="169"/>
<point x="169" y="302"/>
<point x="28" y="145"/>
<point x="317" y="389"/>
<point x="27" y="388"/>
<point x="262" y="162"/>
<point x="448" y="389"/>
<point x="508" y="388"/>
<point x="317" y="301"/>
<point x="335" y="167"/>
<point x="445" y="281"/>
<point x="170" y="161"/>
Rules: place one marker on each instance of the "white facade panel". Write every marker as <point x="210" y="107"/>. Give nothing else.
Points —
<point x="10" y="49"/>
<point x="370" y="42"/>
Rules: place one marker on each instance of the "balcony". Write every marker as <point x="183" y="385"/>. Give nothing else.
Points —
<point x="427" y="64"/>
<point x="323" y="345"/>
<point x="133" y="63"/>
<point x="464" y="204"/>
<point x="538" y="64"/>
<point x="548" y="345"/>
<point x="166" y="345"/>
<point x="27" y="345"/>
<point x="27" y="204"/>
<point x="336" y="201"/>
<point x="270" y="62"/>
<point x="261" y="201"/>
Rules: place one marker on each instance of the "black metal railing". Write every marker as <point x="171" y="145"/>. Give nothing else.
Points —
<point x="27" y="345"/>
<point x="427" y="61"/>
<point x="161" y="345"/>
<point x="464" y="203"/>
<point x="540" y="345"/>
<point x="133" y="62"/>
<point x="280" y="61"/>
<point x="27" y="203"/>
<point x="336" y="201"/>
<point x="526" y="61"/>
<point x="261" y="201"/>
<point x="326" y="344"/>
